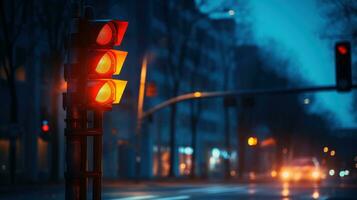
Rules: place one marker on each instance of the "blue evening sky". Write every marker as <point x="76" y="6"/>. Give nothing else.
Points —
<point x="297" y="25"/>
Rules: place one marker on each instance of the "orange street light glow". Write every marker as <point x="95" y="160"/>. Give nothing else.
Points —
<point x="268" y="142"/>
<point x="285" y="175"/>
<point x="315" y="174"/>
<point x="252" y="141"/>
<point x="333" y="153"/>
<point x="197" y="94"/>
<point x="325" y="149"/>
<point x="315" y="195"/>
<point x="285" y="192"/>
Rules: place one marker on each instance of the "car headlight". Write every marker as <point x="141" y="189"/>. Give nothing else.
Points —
<point x="315" y="174"/>
<point x="285" y="175"/>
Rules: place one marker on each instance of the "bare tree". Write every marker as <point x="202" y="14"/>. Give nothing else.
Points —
<point x="341" y="25"/>
<point x="342" y="15"/>
<point x="54" y="19"/>
<point x="195" y="106"/>
<point x="177" y="52"/>
<point x="13" y="18"/>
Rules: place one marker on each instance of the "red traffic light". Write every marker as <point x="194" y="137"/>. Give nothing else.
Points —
<point x="342" y="49"/>
<point x="106" y="33"/>
<point x="99" y="37"/>
<point x="45" y="127"/>
<point x="343" y="66"/>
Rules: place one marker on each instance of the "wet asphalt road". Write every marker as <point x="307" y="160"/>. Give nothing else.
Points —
<point x="177" y="191"/>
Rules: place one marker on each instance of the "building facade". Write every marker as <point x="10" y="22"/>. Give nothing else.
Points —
<point x="202" y="55"/>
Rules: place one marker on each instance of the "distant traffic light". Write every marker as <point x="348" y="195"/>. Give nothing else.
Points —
<point x="45" y="130"/>
<point x="343" y="66"/>
<point x="103" y="61"/>
<point x="151" y="89"/>
<point x="45" y="127"/>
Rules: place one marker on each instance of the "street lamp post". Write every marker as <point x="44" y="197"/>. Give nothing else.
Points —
<point x="141" y="97"/>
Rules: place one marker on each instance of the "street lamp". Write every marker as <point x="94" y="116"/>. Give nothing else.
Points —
<point x="332" y="153"/>
<point x="252" y="141"/>
<point x="231" y="12"/>
<point x="140" y="115"/>
<point x="197" y="94"/>
<point x="325" y="149"/>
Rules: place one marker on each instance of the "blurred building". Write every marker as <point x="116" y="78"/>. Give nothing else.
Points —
<point x="207" y="57"/>
<point x="206" y="66"/>
<point x="25" y="133"/>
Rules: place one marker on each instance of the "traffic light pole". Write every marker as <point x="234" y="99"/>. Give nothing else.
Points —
<point x="97" y="154"/>
<point x="92" y="62"/>
<point x="76" y="158"/>
<point x="77" y="132"/>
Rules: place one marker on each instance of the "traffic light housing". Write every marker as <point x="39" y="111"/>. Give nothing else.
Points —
<point x="45" y="130"/>
<point x="44" y="126"/>
<point x="97" y="39"/>
<point x="343" y="66"/>
<point x="91" y="63"/>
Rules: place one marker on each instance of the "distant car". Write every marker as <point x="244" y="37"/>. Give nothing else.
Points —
<point x="302" y="169"/>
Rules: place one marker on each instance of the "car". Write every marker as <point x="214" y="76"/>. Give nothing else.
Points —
<point x="302" y="169"/>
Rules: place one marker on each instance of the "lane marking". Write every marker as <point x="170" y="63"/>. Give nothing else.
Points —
<point x="175" y="197"/>
<point x="136" y="197"/>
<point x="215" y="189"/>
<point x="220" y="189"/>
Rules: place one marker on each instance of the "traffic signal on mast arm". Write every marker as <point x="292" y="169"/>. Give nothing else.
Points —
<point x="343" y="66"/>
<point x="102" y="61"/>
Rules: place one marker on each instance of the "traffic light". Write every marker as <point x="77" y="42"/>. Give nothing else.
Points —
<point x="45" y="130"/>
<point x="91" y="89"/>
<point x="102" y="61"/>
<point x="343" y="66"/>
<point x="45" y="127"/>
<point x="151" y="90"/>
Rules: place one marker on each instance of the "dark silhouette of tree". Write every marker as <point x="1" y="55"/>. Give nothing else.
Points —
<point x="341" y="16"/>
<point x="54" y="19"/>
<point x="13" y="17"/>
<point x="195" y="106"/>
<point x="341" y="24"/>
<point x="285" y="115"/>
<point x="177" y="53"/>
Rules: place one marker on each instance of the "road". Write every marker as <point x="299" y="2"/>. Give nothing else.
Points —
<point x="204" y="191"/>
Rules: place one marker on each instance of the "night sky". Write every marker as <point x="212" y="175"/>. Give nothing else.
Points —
<point x="297" y="28"/>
